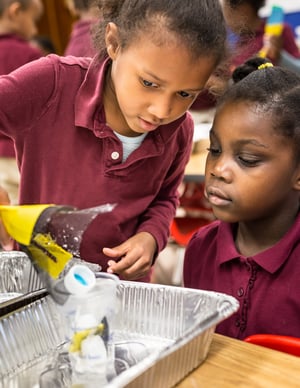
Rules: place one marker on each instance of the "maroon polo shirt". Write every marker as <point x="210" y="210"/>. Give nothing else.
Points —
<point x="14" y="52"/>
<point x="81" y="43"/>
<point x="68" y="155"/>
<point x="266" y="285"/>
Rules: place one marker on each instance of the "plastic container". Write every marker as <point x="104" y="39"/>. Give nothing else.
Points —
<point x="56" y="237"/>
<point x="87" y="310"/>
<point x="161" y="333"/>
<point x="51" y="236"/>
<point x="88" y="319"/>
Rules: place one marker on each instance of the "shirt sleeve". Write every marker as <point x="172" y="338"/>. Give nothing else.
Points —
<point x="24" y="96"/>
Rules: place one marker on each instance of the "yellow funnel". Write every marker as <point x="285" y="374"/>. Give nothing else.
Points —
<point x="19" y="221"/>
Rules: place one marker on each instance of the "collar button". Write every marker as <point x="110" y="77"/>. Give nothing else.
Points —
<point x="115" y="155"/>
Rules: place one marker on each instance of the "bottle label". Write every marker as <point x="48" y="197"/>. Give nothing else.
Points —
<point x="47" y="255"/>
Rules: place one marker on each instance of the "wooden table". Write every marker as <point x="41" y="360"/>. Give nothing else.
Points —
<point x="234" y="363"/>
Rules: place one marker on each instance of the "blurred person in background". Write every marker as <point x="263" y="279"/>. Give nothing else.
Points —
<point x="246" y="37"/>
<point x="87" y="14"/>
<point x="17" y="26"/>
<point x="248" y="33"/>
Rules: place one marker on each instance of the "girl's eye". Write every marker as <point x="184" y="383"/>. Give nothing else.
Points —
<point x="248" y="162"/>
<point x="185" y="94"/>
<point x="214" y="151"/>
<point x="148" y="84"/>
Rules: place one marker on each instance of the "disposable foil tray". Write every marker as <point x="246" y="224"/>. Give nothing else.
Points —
<point x="17" y="275"/>
<point x="161" y="334"/>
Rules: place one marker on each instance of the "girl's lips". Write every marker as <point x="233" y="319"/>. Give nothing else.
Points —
<point x="147" y="126"/>
<point x="217" y="197"/>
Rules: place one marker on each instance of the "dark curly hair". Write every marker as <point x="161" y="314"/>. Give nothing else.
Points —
<point x="255" y="4"/>
<point x="198" y="24"/>
<point x="273" y="92"/>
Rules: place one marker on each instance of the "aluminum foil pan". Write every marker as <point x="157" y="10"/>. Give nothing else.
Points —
<point x="161" y="333"/>
<point x="17" y="275"/>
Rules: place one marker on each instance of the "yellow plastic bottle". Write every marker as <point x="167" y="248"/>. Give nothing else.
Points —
<point x="49" y="234"/>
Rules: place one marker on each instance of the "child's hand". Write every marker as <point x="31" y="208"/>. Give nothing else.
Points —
<point x="136" y="256"/>
<point x="6" y="241"/>
<point x="272" y="47"/>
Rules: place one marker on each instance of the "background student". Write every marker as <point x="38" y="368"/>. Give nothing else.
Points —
<point x="115" y="128"/>
<point x="243" y="18"/>
<point x="246" y="36"/>
<point x="87" y="14"/>
<point x="18" y="20"/>
<point x="252" y="181"/>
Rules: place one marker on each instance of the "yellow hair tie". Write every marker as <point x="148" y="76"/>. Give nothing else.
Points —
<point x="265" y="65"/>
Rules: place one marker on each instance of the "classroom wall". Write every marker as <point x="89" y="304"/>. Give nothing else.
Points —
<point x="287" y="5"/>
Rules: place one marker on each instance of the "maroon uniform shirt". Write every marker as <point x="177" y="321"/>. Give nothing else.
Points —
<point x="68" y="155"/>
<point x="14" y="52"/>
<point x="80" y="43"/>
<point x="266" y="285"/>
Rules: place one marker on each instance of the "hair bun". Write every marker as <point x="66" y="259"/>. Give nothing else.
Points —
<point x="248" y="67"/>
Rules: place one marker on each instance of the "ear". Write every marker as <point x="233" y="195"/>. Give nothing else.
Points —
<point x="296" y="184"/>
<point x="112" y="40"/>
<point x="14" y="9"/>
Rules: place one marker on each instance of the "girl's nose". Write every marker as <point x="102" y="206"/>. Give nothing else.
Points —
<point x="221" y="169"/>
<point x="161" y="108"/>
